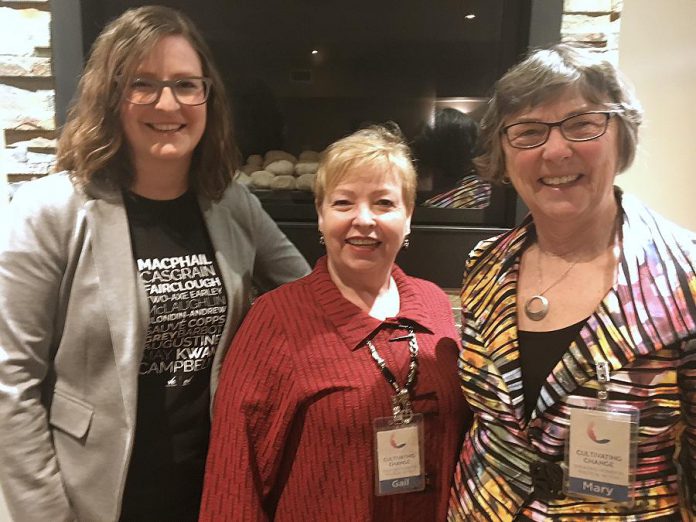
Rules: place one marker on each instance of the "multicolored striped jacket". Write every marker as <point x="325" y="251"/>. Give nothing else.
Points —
<point x="470" y="192"/>
<point x="645" y="328"/>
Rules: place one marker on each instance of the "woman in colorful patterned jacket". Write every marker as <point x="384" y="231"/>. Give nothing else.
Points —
<point x="579" y="325"/>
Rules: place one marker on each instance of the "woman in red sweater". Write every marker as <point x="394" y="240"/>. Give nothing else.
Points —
<point x="339" y="399"/>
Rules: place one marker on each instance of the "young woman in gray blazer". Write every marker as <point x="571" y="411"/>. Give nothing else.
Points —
<point x="123" y="279"/>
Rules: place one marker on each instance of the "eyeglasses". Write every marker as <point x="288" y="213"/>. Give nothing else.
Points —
<point x="186" y="91"/>
<point x="580" y="127"/>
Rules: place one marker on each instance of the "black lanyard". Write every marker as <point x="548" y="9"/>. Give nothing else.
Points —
<point x="401" y="401"/>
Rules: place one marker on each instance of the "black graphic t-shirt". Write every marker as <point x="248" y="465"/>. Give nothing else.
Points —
<point x="188" y="307"/>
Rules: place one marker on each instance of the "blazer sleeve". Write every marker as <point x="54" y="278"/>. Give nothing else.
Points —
<point x="277" y="260"/>
<point x="33" y="258"/>
<point x="255" y="404"/>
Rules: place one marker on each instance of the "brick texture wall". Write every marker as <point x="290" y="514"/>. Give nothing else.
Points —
<point x="27" y="113"/>
<point x="593" y="22"/>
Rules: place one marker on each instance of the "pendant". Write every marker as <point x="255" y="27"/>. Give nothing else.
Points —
<point x="536" y="307"/>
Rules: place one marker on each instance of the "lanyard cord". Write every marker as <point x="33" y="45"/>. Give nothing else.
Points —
<point x="401" y="402"/>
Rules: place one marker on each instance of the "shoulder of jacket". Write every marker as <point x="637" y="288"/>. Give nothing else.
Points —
<point x="54" y="193"/>
<point x="235" y="193"/>
<point x="236" y="201"/>
<point x="493" y="249"/>
<point x="51" y="186"/>
<point x="646" y="222"/>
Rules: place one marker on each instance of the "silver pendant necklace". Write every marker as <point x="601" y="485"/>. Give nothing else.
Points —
<point x="537" y="306"/>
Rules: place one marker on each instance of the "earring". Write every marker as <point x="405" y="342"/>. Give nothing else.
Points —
<point x="322" y="241"/>
<point x="506" y="180"/>
<point x="406" y="243"/>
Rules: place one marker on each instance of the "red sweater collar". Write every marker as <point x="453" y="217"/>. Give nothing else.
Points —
<point x="353" y="324"/>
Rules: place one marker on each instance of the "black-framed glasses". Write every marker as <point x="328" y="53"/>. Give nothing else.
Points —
<point x="186" y="91"/>
<point x="579" y="127"/>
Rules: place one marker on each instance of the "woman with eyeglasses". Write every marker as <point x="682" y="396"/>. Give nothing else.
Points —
<point x="579" y="325"/>
<point x="122" y="282"/>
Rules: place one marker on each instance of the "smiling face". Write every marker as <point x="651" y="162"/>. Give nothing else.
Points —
<point x="563" y="180"/>
<point x="165" y="134"/>
<point x="364" y="220"/>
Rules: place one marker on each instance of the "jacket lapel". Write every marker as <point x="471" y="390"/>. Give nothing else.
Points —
<point x="226" y="248"/>
<point x="122" y="291"/>
<point x="491" y="303"/>
<point x="641" y="314"/>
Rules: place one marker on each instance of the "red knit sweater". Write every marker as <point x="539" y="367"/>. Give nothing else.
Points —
<point x="292" y="435"/>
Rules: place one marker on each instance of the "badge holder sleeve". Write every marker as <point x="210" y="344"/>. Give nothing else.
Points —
<point x="399" y="451"/>
<point x="602" y="448"/>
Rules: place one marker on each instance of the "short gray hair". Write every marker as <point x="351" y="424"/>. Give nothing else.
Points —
<point x="542" y="76"/>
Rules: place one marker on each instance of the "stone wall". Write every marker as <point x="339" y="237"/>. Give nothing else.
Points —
<point x="27" y="113"/>
<point x="593" y="22"/>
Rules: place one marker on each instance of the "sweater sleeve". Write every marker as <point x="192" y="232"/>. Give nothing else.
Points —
<point x="254" y="407"/>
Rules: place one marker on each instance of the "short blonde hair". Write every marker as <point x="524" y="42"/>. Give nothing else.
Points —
<point x="376" y="145"/>
<point x="92" y="143"/>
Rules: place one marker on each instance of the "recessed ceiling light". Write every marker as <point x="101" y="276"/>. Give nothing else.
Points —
<point x="314" y="51"/>
<point x="470" y="16"/>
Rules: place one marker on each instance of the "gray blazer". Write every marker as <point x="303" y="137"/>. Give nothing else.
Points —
<point x="73" y="318"/>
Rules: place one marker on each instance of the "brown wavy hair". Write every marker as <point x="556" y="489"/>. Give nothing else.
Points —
<point x="92" y="145"/>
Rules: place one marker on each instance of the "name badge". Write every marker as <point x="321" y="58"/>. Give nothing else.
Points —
<point x="601" y="451"/>
<point x="399" y="455"/>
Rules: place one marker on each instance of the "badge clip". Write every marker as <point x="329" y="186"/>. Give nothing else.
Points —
<point x="603" y="379"/>
<point x="406" y="337"/>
